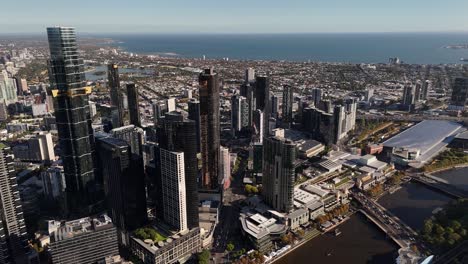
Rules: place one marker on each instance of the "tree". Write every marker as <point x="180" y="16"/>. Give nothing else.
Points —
<point x="428" y="225"/>
<point x="230" y="247"/>
<point x="204" y="257"/>
<point x="455" y="225"/>
<point x="250" y="189"/>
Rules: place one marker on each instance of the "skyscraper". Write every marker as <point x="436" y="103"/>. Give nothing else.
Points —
<point x="239" y="113"/>
<point x="224" y="167"/>
<point x="11" y="212"/>
<point x="460" y="92"/>
<point x="194" y="114"/>
<point x="209" y="128"/>
<point x="259" y="124"/>
<point x="124" y="185"/>
<point x="114" y="86"/>
<point x="159" y="109"/>
<point x="134" y="136"/>
<point x="262" y="91"/>
<point x="274" y="105"/>
<point x="249" y="75"/>
<point x="288" y="98"/>
<point x="133" y="104"/>
<point x="409" y="97"/>
<point x="73" y="118"/>
<point x="425" y="89"/>
<point x="173" y="189"/>
<point x="316" y="96"/>
<point x="279" y="156"/>
<point x="177" y="135"/>
<point x="171" y="104"/>
<point x="4" y="254"/>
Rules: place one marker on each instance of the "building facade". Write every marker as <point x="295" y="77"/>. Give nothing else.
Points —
<point x="287" y="107"/>
<point x="133" y="104"/>
<point x="11" y="210"/>
<point x="124" y="185"/>
<point x="279" y="156"/>
<point x="209" y="129"/>
<point x="73" y="119"/>
<point x="82" y="241"/>
<point x="459" y="92"/>
<point x="178" y="135"/>
<point x="115" y="92"/>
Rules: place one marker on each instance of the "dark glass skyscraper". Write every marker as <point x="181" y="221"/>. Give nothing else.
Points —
<point x="194" y="114"/>
<point x="124" y="184"/>
<point x="73" y="118"/>
<point x="133" y="104"/>
<point x="279" y="156"/>
<point x="209" y="128"/>
<point x="262" y="91"/>
<point x="177" y="134"/>
<point x="15" y="247"/>
<point x="114" y="87"/>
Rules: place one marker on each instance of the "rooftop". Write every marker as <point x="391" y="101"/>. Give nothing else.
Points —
<point x="61" y="230"/>
<point x="425" y="135"/>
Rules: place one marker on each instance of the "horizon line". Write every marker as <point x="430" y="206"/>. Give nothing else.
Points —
<point x="238" y="33"/>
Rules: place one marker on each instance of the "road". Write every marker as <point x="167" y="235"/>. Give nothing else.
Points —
<point x="228" y="228"/>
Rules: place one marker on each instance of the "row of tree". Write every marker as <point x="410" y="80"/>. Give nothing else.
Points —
<point x="447" y="159"/>
<point x="340" y="210"/>
<point x="448" y="227"/>
<point x="375" y="190"/>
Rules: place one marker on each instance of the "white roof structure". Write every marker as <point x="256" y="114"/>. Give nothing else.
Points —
<point x="429" y="136"/>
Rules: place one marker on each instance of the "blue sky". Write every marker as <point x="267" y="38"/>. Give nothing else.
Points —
<point x="235" y="16"/>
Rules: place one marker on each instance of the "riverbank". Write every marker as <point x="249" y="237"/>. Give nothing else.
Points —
<point x="360" y="242"/>
<point x="458" y="166"/>
<point x="309" y="238"/>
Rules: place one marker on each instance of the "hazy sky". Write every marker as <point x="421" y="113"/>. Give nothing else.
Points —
<point x="235" y="16"/>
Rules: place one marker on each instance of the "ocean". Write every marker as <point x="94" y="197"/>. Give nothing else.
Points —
<point x="414" y="48"/>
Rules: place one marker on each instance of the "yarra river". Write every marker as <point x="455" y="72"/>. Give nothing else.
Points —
<point x="362" y="242"/>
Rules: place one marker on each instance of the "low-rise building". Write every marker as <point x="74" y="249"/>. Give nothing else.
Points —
<point x="84" y="240"/>
<point x="261" y="231"/>
<point x="297" y="218"/>
<point x="174" y="248"/>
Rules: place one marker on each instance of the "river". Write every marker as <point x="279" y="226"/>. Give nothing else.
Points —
<point x="90" y="76"/>
<point x="360" y="242"/>
<point x="413" y="203"/>
<point x="457" y="177"/>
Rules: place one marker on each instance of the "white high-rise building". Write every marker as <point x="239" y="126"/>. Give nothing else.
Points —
<point x="258" y="124"/>
<point x="47" y="146"/>
<point x="173" y="189"/>
<point x="38" y="148"/>
<point x="7" y="88"/>
<point x="249" y="75"/>
<point x="224" y="165"/>
<point x="171" y="104"/>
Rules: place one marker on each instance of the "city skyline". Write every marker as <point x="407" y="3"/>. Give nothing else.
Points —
<point x="113" y="156"/>
<point x="297" y="16"/>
